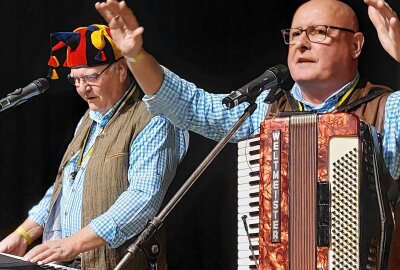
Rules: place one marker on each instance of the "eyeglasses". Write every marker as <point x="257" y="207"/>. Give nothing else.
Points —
<point x="314" y="33"/>
<point x="90" y="78"/>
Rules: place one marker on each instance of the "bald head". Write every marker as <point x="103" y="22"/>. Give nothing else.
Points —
<point x="321" y="67"/>
<point x="342" y="14"/>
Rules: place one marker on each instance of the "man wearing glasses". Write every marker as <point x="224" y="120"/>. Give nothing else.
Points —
<point x="324" y="45"/>
<point x="116" y="170"/>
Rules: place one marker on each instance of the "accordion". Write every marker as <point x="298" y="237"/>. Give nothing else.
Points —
<point x="313" y="194"/>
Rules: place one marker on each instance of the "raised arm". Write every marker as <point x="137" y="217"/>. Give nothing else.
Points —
<point x="127" y="35"/>
<point x="387" y="25"/>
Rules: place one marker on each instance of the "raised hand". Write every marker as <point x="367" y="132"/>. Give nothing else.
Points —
<point x="387" y="25"/>
<point x="125" y="29"/>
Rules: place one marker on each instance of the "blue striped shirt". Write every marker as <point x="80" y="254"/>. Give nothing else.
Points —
<point x="192" y="108"/>
<point x="154" y="156"/>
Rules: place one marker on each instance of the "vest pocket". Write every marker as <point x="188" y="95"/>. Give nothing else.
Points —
<point x="116" y="155"/>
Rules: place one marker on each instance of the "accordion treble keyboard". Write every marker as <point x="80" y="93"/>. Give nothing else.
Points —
<point x="248" y="201"/>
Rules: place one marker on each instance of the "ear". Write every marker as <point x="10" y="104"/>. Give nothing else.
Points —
<point x="123" y="70"/>
<point x="358" y="43"/>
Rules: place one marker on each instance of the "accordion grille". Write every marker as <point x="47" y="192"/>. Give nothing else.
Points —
<point x="344" y="251"/>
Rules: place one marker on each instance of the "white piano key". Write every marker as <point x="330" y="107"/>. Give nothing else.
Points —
<point x="253" y="223"/>
<point x="250" y="221"/>
<point x="245" y="151"/>
<point x="247" y="253"/>
<point x="246" y="171"/>
<point x="246" y="143"/>
<point x="241" y="227"/>
<point x="243" y="239"/>
<point x="248" y="158"/>
<point x="243" y="187"/>
<point x="244" y="242"/>
<point x="245" y="267"/>
<point x="246" y="179"/>
<point x="248" y="165"/>
<point x="246" y="203"/>
<point x="251" y="231"/>
<point x="248" y="188"/>
<point x="248" y="200"/>
<point x="245" y="209"/>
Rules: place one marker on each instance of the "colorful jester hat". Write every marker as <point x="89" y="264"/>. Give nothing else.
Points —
<point x="86" y="47"/>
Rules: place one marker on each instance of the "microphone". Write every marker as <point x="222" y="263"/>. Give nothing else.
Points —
<point x="274" y="76"/>
<point x="20" y="95"/>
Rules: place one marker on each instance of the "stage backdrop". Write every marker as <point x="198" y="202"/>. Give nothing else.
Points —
<point x="219" y="45"/>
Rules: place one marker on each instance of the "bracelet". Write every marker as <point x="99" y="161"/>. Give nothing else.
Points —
<point x="25" y="235"/>
<point x="136" y="58"/>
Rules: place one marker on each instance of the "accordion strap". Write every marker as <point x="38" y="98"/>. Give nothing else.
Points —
<point x="392" y="186"/>
<point x="370" y="96"/>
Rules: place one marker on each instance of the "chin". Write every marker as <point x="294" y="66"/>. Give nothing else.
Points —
<point x="94" y="108"/>
<point x="304" y="78"/>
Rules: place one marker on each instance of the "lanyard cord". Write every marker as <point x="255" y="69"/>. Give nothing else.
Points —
<point x="342" y="101"/>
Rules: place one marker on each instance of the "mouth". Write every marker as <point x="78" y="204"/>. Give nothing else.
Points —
<point x="304" y="60"/>
<point x="90" y="99"/>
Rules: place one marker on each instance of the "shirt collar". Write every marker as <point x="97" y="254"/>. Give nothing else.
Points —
<point x="329" y="104"/>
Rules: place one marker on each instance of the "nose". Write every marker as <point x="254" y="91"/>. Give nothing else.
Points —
<point x="302" y="42"/>
<point x="83" y="87"/>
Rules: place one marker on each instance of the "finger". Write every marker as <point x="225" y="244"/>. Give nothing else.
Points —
<point x="42" y="257"/>
<point x="385" y="9"/>
<point x="394" y="22"/>
<point x="138" y="32"/>
<point x="51" y="258"/>
<point x="117" y="23"/>
<point x="373" y="3"/>
<point x="108" y="10"/>
<point x="38" y="252"/>
<point x="128" y="16"/>
<point x="34" y="252"/>
<point x="394" y="25"/>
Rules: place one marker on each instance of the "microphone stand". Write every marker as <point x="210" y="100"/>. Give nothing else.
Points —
<point x="154" y="224"/>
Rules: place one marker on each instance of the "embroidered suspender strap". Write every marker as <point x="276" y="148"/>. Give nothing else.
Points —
<point x="370" y="96"/>
<point x="274" y="94"/>
<point x="295" y="105"/>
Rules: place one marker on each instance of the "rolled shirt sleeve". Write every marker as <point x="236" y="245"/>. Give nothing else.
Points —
<point x="154" y="157"/>
<point x="191" y="108"/>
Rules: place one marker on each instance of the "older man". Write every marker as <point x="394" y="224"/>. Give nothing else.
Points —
<point x="324" y="46"/>
<point x="115" y="172"/>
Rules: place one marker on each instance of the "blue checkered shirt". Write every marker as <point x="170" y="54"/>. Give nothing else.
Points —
<point x="191" y="108"/>
<point x="154" y="156"/>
